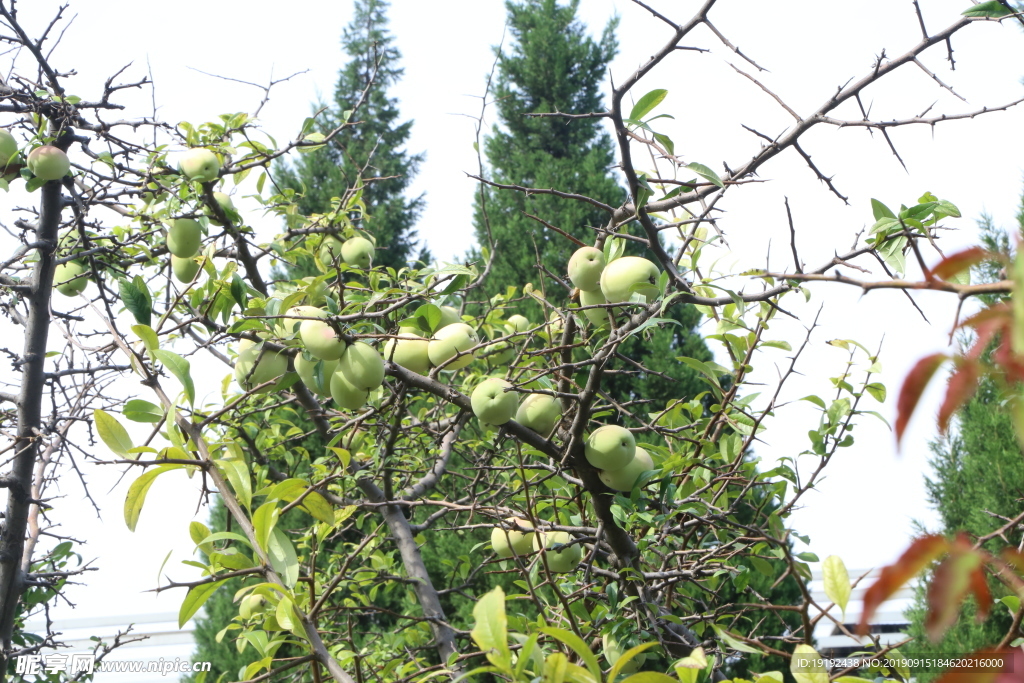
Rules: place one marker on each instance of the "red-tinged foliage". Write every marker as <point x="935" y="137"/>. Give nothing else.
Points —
<point x="913" y="386"/>
<point x="1010" y="363"/>
<point x="920" y="553"/>
<point x="950" y="585"/>
<point x="1013" y="669"/>
<point x="982" y="595"/>
<point x="957" y="263"/>
<point x="962" y="385"/>
<point x="1001" y="312"/>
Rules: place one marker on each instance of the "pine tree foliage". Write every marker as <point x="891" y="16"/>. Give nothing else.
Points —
<point x="551" y="65"/>
<point x="372" y="151"/>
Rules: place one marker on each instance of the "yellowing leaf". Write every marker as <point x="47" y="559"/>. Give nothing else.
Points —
<point x="807" y="665"/>
<point x="837" y="581"/>
<point x="112" y="433"/>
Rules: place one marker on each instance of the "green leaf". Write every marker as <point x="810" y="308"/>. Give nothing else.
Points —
<point x="238" y="292"/>
<point x="282" y="557"/>
<point x="490" y="633"/>
<point x="237" y="472"/>
<point x="647" y="103"/>
<point x="837" y="581"/>
<point x="195" y="598"/>
<point x="807" y="665"/>
<point x="148" y="337"/>
<point x="649" y="677"/>
<point x="651" y="322"/>
<point x="138" y="410"/>
<point x="318" y="507"/>
<point x="877" y="391"/>
<point x="136" y="298"/>
<point x="988" y="9"/>
<point x="666" y="142"/>
<point x="732" y="641"/>
<point x="180" y="368"/>
<point x="578" y="646"/>
<point x="137" y="494"/>
<point x="706" y="173"/>
<point x="880" y="210"/>
<point x="112" y="433"/>
<point x="263" y="522"/>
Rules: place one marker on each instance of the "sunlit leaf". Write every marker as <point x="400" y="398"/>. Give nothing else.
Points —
<point x="113" y="434"/>
<point x="837" y="581"/>
<point x="647" y="103"/>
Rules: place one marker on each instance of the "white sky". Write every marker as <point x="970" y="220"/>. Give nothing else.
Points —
<point x="863" y="510"/>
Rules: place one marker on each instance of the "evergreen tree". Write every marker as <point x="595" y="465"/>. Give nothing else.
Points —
<point x="977" y="483"/>
<point x="371" y="151"/>
<point x="552" y="65"/>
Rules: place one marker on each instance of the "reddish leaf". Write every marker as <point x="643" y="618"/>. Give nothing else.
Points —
<point x="983" y="334"/>
<point x="920" y="553"/>
<point x="1012" y="671"/>
<point x="913" y="386"/>
<point x="1008" y="361"/>
<point x="962" y="385"/>
<point x="1000" y="312"/>
<point x="949" y="587"/>
<point x="982" y="595"/>
<point x="961" y="261"/>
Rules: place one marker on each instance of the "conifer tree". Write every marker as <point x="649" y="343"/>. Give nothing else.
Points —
<point x="372" y="151"/>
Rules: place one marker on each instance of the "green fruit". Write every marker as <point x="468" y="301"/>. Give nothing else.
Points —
<point x="184" y="269"/>
<point x="598" y="317"/>
<point x="227" y="207"/>
<point x="8" y="148"/>
<point x="70" y="278"/>
<point x="48" y="163"/>
<point x="307" y="373"/>
<point x="610" y="448"/>
<point x="200" y="164"/>
<point x="613" y="651"/>
<point x="362" y="366"/>
<point x="518" y="323"/>
<point x="625" y="479"/>
<point x="449" y="341"/>
<point x="184" y="237"/>
<point x="559" y="561"/>
<point x="619" y="277"/>
<point x="492" y="404"/>
<point x="330" y="250"/>
<point x="509" y="542"/>
<point x="287" y="328"/>
<point x="449" y="316"/>
<point x="555" y="326"/>
<point x="256" y="365"/>
<point x="410" y="352"/>
<point x="347" y="396"/>
<point x="358" y="252"/>
<point x="321" y="340"/>
<point x="585" y="268"/>
<point x="540" y="412"/>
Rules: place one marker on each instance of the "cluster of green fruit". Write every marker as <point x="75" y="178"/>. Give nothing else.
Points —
<point x="355" y="251"/>
<point x="613" y="450"/>
<point x="520" y="539"/>
<point x="71" y="277"/>
<point x="613" y="283"/>
<point x="185" y="235"/>
<point x="45" y="162"/>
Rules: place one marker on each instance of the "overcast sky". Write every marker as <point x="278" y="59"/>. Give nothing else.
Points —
<point x="864" y="508"/>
